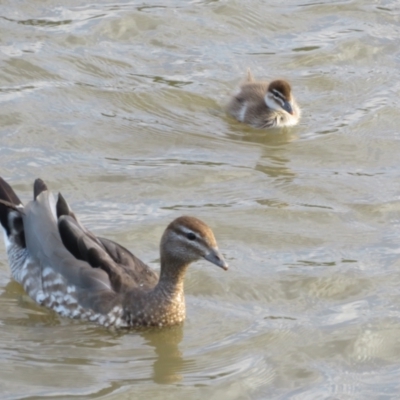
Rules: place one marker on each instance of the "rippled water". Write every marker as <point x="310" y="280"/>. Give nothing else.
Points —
<point x="119" y="105"/>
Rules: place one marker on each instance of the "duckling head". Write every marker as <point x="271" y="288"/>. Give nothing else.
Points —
<point x="279" y="96"/>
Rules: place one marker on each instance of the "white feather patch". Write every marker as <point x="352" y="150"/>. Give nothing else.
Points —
<point x="6" y="240"/>
<point x="242" y="112"/>
<point x="271" y="103"/>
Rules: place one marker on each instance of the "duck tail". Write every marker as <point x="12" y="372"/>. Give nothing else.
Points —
<point x="249" y="76"/>
<point x="38" y="187"/>
<point x="11" y="211"/>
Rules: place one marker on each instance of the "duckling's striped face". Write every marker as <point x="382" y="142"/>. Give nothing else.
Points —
<point x="279" y="96"/>
<point x="188" y="239"/>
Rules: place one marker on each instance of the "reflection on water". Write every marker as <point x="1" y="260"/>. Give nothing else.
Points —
<point x="169" y="363"/>
<point x="243" y="133"/>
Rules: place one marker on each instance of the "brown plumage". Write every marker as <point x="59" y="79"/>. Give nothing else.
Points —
<point x="65" y="267"/>
<point x="281" y="86"/>
<point x="264" y="105"/>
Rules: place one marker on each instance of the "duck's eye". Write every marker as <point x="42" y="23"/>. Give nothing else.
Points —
<point x="191" y="236"/>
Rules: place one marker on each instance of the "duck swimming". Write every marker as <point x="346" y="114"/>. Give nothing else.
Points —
<point x="63" y="266"/>
<point x="264" y="105"/>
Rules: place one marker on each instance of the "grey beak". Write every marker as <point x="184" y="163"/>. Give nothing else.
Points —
<point x="288" y="107"/>
<point x="215" y="257"/>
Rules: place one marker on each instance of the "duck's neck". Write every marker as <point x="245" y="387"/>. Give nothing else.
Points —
<point x="166" y="302"/>
<point x="162" y="306"/>
<point x="172" y="275"/>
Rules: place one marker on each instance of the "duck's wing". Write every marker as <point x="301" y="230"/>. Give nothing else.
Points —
<point x="46" y="248"/>
<point x="11" y="210"/>
<point x="39" y="261"/>
<point x="125" y="271"/>
<point x="144" y="276"/>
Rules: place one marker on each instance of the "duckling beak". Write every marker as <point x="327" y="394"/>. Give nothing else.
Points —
<point x="215" y="257"/>
<point x="288" y="107"/>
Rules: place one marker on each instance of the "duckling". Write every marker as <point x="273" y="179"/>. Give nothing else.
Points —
<point x="264" y="105"/>
<point x="63" y="266"/>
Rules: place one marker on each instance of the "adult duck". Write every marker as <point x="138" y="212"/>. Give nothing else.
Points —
<point x="65" y="267"/>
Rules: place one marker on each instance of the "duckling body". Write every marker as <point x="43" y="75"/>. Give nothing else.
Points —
<point x="63" y="266"/>
<point x="264" y="105"/>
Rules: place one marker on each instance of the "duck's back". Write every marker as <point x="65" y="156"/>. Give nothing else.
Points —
<point x="65" y="267"/>
<point x="53" y="277"/>
<point x="248" y="105"/>
<point x="87" y="279"/>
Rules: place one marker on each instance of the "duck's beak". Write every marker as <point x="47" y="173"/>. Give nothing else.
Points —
<point x="288" y="107"/>
<point x="215" y="257"/>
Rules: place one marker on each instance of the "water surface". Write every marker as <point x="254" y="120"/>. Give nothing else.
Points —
<point x="119" y="106"/>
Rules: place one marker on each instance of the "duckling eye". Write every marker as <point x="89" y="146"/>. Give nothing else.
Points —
<point x="191" y="236"/>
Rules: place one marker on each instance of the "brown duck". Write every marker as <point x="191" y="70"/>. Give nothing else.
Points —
<point x="264" y="105"/>
<point x="65" y="267"/>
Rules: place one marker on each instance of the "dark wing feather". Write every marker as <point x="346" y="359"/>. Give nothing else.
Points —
<point x="125" y="271"/>
<point x="10" y="214"/>
<point x="38" y="187"/>
<point x="86" y="249"/>
<point x="133" y="266"/>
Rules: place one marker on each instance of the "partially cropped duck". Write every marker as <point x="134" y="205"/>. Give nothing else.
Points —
<point x="264" y="105"/>
<point x="63" y="266"/>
